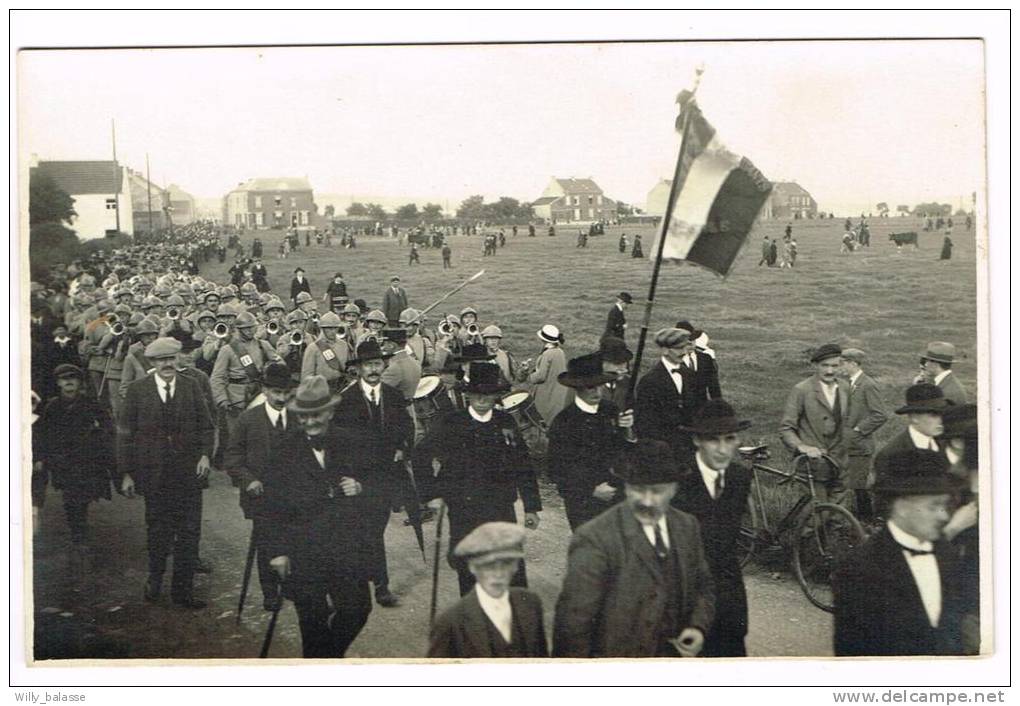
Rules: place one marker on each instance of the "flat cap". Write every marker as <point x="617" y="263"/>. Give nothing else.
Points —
<point x="671" y="337"/>
<point x="165" y="347"/>
<point x="940" y="352"/>
<point x="66" y="370"/>
<point x="855" y="354"/>
<point x="492" y="541"/>
<point x="827" y="350"/>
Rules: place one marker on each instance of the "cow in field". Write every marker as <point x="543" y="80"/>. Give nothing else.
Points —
<point x="902" y="239"/>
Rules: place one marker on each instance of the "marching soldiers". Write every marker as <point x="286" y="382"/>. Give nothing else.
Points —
<point x="238" y="369"/>
<point x="328" y="354"/>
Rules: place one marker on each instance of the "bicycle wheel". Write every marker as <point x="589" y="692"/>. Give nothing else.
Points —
<point x="749" y="539"/>
<point x="825" y="536"/>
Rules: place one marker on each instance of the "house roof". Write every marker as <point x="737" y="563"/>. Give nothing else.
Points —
<point x="544" y="201"/>
<point x="788" y="188"/>
<point x="579" y="186"/>
<point x="275" y="184"/>
<point x="179" y="194"/>
<point x="94" y="177"/>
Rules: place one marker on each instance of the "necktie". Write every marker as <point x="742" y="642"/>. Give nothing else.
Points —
<point x="660" y="544"/>
<point x="719" y="484"/>
<point x="678" y="371"/>
<point x="279" y="422"/>
<point x="371" y="396"/>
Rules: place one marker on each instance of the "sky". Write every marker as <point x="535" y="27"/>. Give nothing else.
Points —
<point x="853" y="122"/>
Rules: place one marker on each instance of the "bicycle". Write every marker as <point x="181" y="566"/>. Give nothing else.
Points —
<point x="821" y="533"/>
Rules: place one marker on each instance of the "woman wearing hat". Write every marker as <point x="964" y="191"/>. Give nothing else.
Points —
<point x="550" y="395"/>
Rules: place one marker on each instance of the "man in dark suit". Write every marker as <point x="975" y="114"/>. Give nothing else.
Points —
<point x="898" y="594"/>
<point x="866" y="414"/>
<point x="924" y="406"/>
<point x="495" y="619"/>
<point x="616" y="322"/>
<point x="584" y="441"/>
<point x="376" y="415"/>
<point x="664" y="395"/>
<point x="483" y="465"/>
<point x="256" y="444"/>
<point x="715" y="491"/>
<point x="314" y="531"/>
<point x="299" y="284"/>
<point x="637" y="582"/>
<point x="165" y="440"/>
<point x="705" y="371"/>
<point x="812" y="422"/>
<point x="394" y="302"/>
<point x="936" y="368"/>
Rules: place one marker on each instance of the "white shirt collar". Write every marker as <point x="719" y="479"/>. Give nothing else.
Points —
<point x="855" y="377"/>
<point x="921" y="441"/>
<point x="669" y="365"/>
<point x="367" y="390"/>
<point x="649" y="531"/>
<point x="163" y="385"/>
<point x="708" y="474"/>
<point x="619" y="306"/>
<point x="905" y="539"/>
<point x="483" y="418"/>
<point x="585" y="407"/>
<point x="498" y="610"/>
<point x="275" y="414"/>
<point x="941" y="376"/>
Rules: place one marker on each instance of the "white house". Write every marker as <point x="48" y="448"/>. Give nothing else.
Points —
<point x="102" y="195"/>
<point x="573" y="200"/>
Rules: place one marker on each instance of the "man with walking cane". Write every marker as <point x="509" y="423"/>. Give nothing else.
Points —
<point x="256" y="442"/>
<point x="313" y="509"/>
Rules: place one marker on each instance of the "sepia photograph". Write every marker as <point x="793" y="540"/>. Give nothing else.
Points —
<point x="479" y="351"/>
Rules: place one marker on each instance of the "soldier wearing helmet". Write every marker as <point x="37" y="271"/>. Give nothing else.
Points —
<point x="329" y="354"/>
<point x="136" y="365"/>
<point x="375" y="322"/>
<point x="421" y="347"/>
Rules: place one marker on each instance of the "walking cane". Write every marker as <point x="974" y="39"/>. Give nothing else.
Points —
<point x="272" y="624"/>
<point x="435" y="562"/>
<point x="247" y="574"/>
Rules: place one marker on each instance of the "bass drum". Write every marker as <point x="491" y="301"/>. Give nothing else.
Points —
<point x="521" y="406"/>
<point x="430" y="399"/>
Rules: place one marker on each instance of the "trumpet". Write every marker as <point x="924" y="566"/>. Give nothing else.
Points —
<point x="173" y="314"/>
<point x="221" y="330"/>
<point x="445" y="328"/>
<point x="111" y="319"/>
<point x="273" y="328"/>
<point x="473" y="331"/>
<point x="118" y="329"/>
<point x="296" y="338"/>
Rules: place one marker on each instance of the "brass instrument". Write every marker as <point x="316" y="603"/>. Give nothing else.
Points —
<point x="273" y="328"/>
<point x="173" y="314"/>
<point x="111" y="319"/>
<point x="296" y="338"/>
<point x="221" y="330"/>
<point x="118" y="329"/>
<point x="473" y="331"/>
<point x="445" y="328"/>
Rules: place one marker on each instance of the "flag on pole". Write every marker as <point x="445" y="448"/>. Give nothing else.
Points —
<point x="714" y="202"/>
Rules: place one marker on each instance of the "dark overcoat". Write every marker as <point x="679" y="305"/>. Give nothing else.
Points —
<point x="461" y="631"/>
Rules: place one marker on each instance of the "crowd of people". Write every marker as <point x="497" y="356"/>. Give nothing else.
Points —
<point x="150" y="377"/>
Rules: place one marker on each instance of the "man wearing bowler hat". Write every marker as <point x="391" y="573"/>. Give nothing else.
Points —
<point x="898" y="594"/>
<point x="495" y="619"/>
<point x="936" y="368"/>
<point x="924" y="407"/>
<point x="813" y="421"/>
<point x="481" y="465"/>
<point x="165" y="440"/>
<point x="616" y="321"/>
<point x="255" y="445"/>
<point x="637" y="582"/>
<point x="584" y="441"/>
<point x="616" y="359"/>
<point x="313" y="509"/>
<point x="715" y="491"/>
<point x="376" y="415"/>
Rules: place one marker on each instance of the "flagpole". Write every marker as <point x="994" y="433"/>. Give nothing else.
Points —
<point x="686" y="110"/>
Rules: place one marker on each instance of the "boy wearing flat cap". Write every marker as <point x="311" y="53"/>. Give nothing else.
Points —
<point x="664" y="395"/>
<point x="898" y="594"/>
<point x="495" y="619"/>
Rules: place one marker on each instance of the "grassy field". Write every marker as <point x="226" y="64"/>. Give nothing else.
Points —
<point x="762" y="321"/>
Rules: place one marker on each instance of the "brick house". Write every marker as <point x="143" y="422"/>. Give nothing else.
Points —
<point x="259" y="203"/>
<point x="573" y="201"/>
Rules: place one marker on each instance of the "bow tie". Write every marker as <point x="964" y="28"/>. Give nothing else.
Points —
<point x="915" y="552"/>
<point x="677" y="371"/>
<point x="316" y="442"/>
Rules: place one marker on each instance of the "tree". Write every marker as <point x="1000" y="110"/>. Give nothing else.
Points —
<point x="903" y="209"/>
<point x="407" y="212"/>
<point x="357" y="209"/>
<point x="330" y="210"/>
<point x="472" y="208"/>
<point x="50" y="243"/>
<point x="432" y="212"/>
<point x="47" y="202"/>
<point x="883" y="208"/>
<point x="376" y="212"/>
<point x="624" y="209"/>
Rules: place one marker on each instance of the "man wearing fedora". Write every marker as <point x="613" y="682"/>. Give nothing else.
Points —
<point x="705" y="371"/>
<point x="257" y="441"/>
<point x="328" y="354"/>
<point x="715" y="490"/>
<point x="637" y="583"/>
<point x="664" y="395"/>
<point x="394" y="301"/>
<point x="376" y="415"/>
<point x="936" y="368"/>
<point x="616" y="321"/>
<point x="313" y="509"/>
<point x="495" y="619"/>
<point x="898" y="594"/>
<point x="481" y="465"/>
<point x="584" y="441"/>
<point x="164" y="443"/>
<point x="925" y="404"/>
<point x="616" y="359"/>
<point x="865" y="415"/>
<point x="813" y="422"/>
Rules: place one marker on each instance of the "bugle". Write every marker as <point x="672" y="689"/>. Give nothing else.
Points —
<point x="221" y="330"/>
<point x="296" y="338"/>
<point x="273" y="328"/>
<point x="118" y="329"/>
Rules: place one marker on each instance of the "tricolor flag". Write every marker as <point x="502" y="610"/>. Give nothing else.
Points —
<point x="714" y="200"/>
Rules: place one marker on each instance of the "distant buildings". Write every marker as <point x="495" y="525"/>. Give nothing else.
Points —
<point x="101" y="191"/>
<point x="282" y="202"/>
<point x="788" y="200"/>
<point x="182" y="206"/>
<point x="142" y="192"/>
<point x="573" y="200"/>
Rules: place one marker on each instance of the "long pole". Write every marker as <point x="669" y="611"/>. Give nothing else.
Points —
<point x="148" y="191"/>
<point x="687" y="110"/>
<point x="446" y="296"/>
<point x="116" y="174"/>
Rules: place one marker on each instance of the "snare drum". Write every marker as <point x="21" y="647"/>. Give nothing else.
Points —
<point x="430" y="398"/>
<point x="521" y="406"/>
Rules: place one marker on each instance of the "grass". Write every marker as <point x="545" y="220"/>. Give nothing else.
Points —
<point x="762" y="321"/>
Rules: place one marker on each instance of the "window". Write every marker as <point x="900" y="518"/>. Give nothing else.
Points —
<point x="598" y="200"/>
<point x="258" y="202"/>
<point x="111" y="204"/>
<point x="277" y="214"/>
<point x="305" y="219"/>
<point x="260" y="218"/>
<point x="591" y="200"/>
<point x="293" y="201"/>
<point x="277" y="201"/>
<point x="577" y="211"/>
